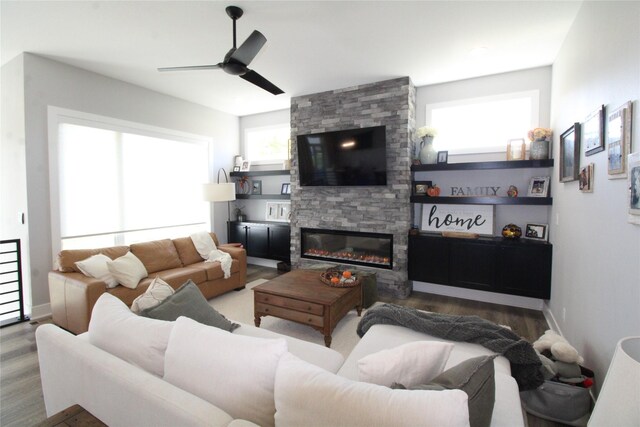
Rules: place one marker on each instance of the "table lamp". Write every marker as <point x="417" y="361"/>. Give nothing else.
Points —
<point x="618" y="403"/>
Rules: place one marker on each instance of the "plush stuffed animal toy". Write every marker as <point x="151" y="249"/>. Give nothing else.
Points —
<point x="559" y="347"/>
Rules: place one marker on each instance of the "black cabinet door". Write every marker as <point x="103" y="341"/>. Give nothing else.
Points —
<point x="473" y="265"/>
<point x="429" y="259"/>
<point x="258" y="240"/>
<point x="237" y="233"/>
<point x="525" y="270"/>
<point x="280" y="242"/>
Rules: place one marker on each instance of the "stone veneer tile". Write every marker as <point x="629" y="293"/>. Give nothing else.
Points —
<point x="369" y="209"/>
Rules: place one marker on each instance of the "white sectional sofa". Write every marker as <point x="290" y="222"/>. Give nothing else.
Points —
<point x="122" y="393"/>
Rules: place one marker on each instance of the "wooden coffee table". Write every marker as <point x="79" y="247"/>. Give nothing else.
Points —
<point x="302" y="297"/>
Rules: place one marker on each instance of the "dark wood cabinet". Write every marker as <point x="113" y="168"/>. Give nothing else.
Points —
<point x="262" y="239"/>
<point x="519" y="267"/>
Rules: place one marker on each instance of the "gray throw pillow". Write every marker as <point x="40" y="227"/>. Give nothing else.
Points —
<point x="476" y="377"/>
<point x="188" y="301"/>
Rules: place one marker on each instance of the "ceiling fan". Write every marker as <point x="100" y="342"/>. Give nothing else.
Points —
<point x="235" y="62"/>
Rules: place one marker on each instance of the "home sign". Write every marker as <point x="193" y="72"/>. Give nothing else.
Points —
<point x="464" y="218"/>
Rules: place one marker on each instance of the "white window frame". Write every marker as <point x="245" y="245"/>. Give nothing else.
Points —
<point x="57" y="116"/>
<point x="534" y="95"/>
<point x="263" y="128"/>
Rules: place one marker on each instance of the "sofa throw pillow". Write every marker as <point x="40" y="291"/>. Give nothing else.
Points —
<point x="138" y="340"/>
<point x="157" y="292"/>
<point x="410" y="364"/>
<point x="189" y="302"/>
<point x="476" y="377"/>
<point x="233" y="372"/>
<point x="307" y="395"/>
<point x="128" y="270"/>
<point x="96" y="266"/>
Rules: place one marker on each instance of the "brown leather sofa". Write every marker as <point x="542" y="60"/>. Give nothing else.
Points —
<point x="73" y="294"/>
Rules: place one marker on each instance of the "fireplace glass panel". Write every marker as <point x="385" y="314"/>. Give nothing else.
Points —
<point x="370" y="249"/>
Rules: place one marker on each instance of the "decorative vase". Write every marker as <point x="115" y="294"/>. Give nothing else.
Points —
<point x="428" y="154"/>
<point x="539" y="149"/>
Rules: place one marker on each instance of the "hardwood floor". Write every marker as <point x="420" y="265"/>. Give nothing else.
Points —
<point x="21" y="401"/>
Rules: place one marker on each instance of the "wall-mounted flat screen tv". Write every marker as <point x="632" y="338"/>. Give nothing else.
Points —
<point x="352" y="157"/>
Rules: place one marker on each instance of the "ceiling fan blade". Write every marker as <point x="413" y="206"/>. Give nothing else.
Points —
<point x="191" y="67"/>
<point x="250" y="48"/>
<point x="255" y="78"/>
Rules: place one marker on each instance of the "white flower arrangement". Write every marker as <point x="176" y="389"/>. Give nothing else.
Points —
<point x="426" y="131"/>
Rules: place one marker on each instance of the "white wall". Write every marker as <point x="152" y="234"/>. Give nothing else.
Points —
<point x="13" y="179"/>
<point x="53" y="83"/>
<point x="596" y="265"/>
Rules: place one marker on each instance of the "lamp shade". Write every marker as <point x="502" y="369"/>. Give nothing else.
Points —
<point x="221" y="192"/>
<point x="619" y="401"/>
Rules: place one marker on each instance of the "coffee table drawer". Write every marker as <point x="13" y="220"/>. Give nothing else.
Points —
<point x="307" y="307"/>
<point x="296" y="316"/>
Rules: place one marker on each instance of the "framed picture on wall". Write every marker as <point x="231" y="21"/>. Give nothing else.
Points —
<point x="634" y="188"/>
<point x="570" y="153"/>
<point x="586" y="178"/>
<point x="593" y="132"/>
<point x="619" y="140"/>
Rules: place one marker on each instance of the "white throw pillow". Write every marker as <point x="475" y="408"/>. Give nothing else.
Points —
<point x="409" y="364"/>
<point x="128" y="270"/>
<point x="307" y="395"/>
<point x="96" y="266"/>
<point x="138" y="340"/>
<point x="157" y="292"/>
<point x="235" y="373"/>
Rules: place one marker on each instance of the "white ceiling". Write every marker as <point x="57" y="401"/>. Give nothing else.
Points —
<point x="312" y="46"/>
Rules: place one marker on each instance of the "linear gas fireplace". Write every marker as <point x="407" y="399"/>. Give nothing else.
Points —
<point x="349" y="247"/>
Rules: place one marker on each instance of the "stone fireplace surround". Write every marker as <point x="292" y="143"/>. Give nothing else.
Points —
<point x="375" y="209"/>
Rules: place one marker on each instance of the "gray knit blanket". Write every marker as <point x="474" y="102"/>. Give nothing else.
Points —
<point x="525" y="363"/>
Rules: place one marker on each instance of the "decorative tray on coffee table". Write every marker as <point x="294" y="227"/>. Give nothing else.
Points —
<point x="339" y="278"/>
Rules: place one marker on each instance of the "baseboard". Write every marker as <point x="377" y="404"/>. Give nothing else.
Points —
<point x="40" y="311"/>
<point x="472" y="294"/>
<point x="551" y="319"/>
<point x="262" y="262"/>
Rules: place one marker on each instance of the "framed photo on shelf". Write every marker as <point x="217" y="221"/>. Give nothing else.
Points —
<point x="634" y="188"/>
<point x="570" y="153"/>
<point x="619" y="140"/>
<point x="539" y="186"/>
<point x="593" y="132"/>
<point x="420" y="188"/>
<point x="256" y="187"/>
<point x="443" y="156"/>
<point x="286" y="188"/>
<point x="516" y="149"/>
<point x="585" y="181"/>
<point x="536" y="232"/>
<point x="246" y="165"/>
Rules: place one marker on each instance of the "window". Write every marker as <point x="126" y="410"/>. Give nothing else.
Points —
<point x="482" y="125"/>
<point x="118" y="186"/>
<point x="268" y="144"/>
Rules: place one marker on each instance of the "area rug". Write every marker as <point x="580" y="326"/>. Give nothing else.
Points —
<point x="238" y="306"/>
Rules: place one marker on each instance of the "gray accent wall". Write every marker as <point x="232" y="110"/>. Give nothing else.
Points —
<point x="378" y="209"/>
